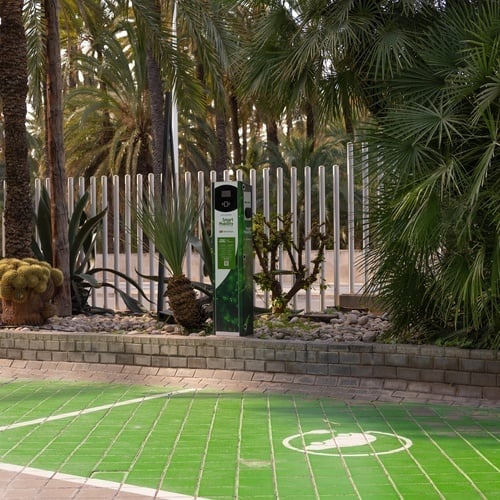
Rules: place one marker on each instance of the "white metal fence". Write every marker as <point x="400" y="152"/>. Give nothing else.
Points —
<point x="336" y="197"/>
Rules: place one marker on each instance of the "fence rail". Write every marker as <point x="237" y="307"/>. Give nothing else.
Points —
<point x="335" y="196"/>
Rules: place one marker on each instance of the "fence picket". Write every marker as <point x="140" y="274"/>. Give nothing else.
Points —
<point x="307" y="226"/>
<point x="293" y="210"/>
<point x="322" y="222"/>
<point x="336" y="234"/>
<point x="139" y="236"/>
<point x="350" y="213"/>
<point x="104" y="238"/>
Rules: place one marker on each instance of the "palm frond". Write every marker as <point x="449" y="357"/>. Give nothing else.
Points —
<point x="435" y="246"/>
<point x="170" y="226"/>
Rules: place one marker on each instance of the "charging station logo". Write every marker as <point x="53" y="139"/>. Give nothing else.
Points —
<point x="353" y="444"/>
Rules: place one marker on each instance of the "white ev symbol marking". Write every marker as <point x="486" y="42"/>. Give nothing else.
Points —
<point x="337" y="442"/>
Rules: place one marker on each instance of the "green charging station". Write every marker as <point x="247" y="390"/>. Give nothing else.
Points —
<point x="233" y="257"/>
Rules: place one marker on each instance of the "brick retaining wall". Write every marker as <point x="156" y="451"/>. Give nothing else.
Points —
<point x="424" y="369"/>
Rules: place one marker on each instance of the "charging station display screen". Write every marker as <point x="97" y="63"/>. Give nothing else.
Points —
<point x="225" y="198"/>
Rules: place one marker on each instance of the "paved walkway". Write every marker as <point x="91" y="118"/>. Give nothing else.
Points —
<point x="468" y="422"/>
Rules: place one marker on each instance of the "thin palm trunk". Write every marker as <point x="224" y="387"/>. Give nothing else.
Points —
<point x="235" y="130"/>
<point x="272" y="132"/>
<point x="221" y="159"/>
<point x="55" y="148"/>
<point x="156" y="100"/>
<point x="310" y="125"/>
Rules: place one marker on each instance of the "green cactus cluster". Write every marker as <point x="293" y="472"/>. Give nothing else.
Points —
<point x="19" y="276"/>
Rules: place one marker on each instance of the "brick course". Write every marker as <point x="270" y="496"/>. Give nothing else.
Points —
<point x="430" y="369"/>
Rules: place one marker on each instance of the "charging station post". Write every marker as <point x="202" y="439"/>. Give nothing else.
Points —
<point x="233" y="257"/>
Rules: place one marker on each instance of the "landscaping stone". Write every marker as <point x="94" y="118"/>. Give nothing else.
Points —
<point x="335" y="327"/>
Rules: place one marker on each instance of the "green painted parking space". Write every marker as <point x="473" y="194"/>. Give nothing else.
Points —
<point x="250" y="446"/>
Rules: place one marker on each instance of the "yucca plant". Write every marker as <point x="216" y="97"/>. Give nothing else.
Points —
<point x="170" y="225"/>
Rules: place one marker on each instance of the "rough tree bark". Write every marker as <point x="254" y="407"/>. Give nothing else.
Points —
<point x="55" y="153"/>
<point x="13" y="91"/>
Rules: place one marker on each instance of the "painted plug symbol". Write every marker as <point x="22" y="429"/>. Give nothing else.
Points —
<point x="344" y="440"/>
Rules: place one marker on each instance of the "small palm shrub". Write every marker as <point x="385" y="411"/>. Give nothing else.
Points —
<point x="170" y="225"/>
<point x="435" y="249"/>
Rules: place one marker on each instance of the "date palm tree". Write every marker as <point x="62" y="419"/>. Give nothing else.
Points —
<point x="322" y="57"/>
<point x="119" y="101"/>
<point x="107" y="129"/>
<point x="13" y="91"/>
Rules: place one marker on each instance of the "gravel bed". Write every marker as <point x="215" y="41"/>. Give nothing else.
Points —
<point x="352" y="326"/>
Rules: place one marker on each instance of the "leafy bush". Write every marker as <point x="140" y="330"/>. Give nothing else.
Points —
<point x="268" y="237"/>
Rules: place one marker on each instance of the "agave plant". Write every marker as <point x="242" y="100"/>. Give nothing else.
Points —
<point x="170" y="226"/>
<point x="82" y="234"/>
<point x="203" y="245"/>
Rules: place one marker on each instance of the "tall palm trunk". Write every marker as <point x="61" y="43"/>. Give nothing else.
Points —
<point x="157" y="106"/>
<point x="221" y="158"/>
<point x="235" y="130"/>
<point x="55" y="150"/>
<point x="13" y="91"/>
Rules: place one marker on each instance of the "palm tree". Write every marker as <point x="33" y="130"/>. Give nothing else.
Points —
<point x="436" y="249"/>
<point x="321" y="58"/>
<point x="13" y="91"/>
<point x="277" y="30"/>
<point x="205" y="27"/>
<point x="170" y="226"/>
<point x="55" y="156"/>
<point x="118" y="92"/>
<point x="115" y="103"/>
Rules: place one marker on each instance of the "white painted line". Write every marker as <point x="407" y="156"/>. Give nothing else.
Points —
<point x="98" y="483"/>
<point x="92" y="410"/>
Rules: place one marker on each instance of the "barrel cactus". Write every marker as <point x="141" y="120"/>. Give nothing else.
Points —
<point x="26" y="288"/>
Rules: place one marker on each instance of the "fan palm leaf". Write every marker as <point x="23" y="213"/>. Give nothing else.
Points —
<point x="435" y="250"/>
